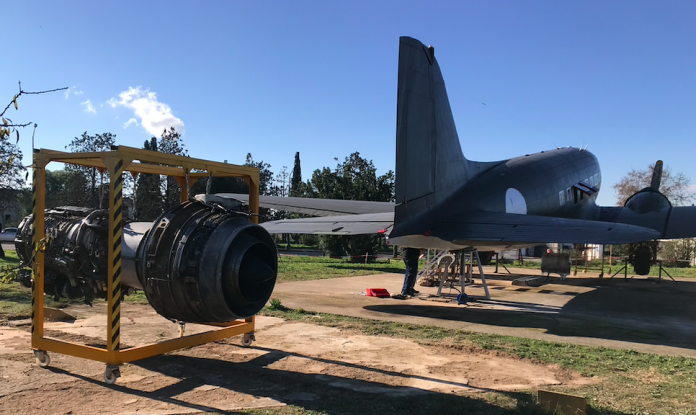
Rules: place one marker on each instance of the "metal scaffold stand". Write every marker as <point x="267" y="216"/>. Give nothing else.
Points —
<point x="116" y="162"/>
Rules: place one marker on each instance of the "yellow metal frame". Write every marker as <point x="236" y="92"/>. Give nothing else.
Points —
<point x="117" y="161"/>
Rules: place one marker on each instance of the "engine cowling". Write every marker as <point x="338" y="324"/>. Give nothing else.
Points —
<point x="647" y="200"/>
<point x="202" y="265"/>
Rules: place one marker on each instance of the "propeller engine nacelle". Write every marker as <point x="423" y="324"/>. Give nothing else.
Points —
<point x="650" y="199"/>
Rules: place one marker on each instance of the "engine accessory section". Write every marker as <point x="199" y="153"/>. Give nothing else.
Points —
<point x="198" y="262"/>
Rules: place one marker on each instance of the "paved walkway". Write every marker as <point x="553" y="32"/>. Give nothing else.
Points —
<point x="636" y="314"/>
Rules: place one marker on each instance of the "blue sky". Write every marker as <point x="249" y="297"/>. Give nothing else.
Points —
<point x="273" y="78"/>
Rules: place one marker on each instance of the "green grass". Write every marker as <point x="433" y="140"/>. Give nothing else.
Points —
<point x="15" y="300"/>
<point x="281" y="246"/>
<point x="630" y="382"/>
<point x="299" y="268"/>
<point x="595" y="266"/>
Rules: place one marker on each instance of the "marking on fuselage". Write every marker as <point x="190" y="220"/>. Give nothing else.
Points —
<point x="514" y="202"/>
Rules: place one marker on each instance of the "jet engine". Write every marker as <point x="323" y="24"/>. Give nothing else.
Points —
<point x="199" y="262"/>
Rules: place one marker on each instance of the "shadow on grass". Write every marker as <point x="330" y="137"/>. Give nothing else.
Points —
<point x="15" y="301"/>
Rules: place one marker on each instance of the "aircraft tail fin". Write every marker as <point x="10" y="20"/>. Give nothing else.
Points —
<point x="430" y="164"/>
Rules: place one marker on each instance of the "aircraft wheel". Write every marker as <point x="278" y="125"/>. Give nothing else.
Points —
<point x="42" y="358"/>
<point x="111" y="374"/>
<point x="248" y="339"/>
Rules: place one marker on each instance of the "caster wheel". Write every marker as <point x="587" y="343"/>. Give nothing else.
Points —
<point x="111" y="374"/>
<point x="248" y="339"/>
<point x="42" y="358"/>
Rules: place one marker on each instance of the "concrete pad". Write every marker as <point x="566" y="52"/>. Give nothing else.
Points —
<point x="586" y="310"/>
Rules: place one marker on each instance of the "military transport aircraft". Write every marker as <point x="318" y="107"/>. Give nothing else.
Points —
<point x="445" y="201"/>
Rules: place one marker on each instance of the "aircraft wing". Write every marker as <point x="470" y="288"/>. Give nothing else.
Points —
<point x="366" y="224"/>
<point x="316" y="207"/>
<point x="510" y="227"/>
<point x="671" y="222"/>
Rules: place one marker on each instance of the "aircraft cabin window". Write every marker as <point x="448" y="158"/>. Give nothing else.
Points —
<point x="561" y="197"/>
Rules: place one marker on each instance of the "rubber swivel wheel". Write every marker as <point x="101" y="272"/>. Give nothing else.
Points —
<point x="111" y="374"/>
<point x="247" y="339"/>
<point x="42" y="358"/>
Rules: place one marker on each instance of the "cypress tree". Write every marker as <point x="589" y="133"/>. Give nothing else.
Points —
<point x="296" y="176"/>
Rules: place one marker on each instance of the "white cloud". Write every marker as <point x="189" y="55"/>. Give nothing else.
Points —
<point x="154" y="116"/>
<point x="129" y="122"/>
<point x="72" y="90"/>
<point x="88" y="107"/>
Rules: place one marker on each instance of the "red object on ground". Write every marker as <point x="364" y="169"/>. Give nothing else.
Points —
<point x="377" y="292"/>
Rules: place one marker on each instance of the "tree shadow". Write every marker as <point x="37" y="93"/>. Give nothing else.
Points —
<point x="323" y="393"/>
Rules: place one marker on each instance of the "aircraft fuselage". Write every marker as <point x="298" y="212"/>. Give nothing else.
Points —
<point x="559" y="183"/>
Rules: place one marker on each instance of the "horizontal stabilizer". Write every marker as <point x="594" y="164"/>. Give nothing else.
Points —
<point x="367" y="224"/>
<point x="314" y="207"/>
<point x="510" y="227"/>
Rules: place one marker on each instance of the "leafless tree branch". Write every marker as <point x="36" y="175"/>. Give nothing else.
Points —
<point x="23" y="92"/>
<point x="15" y="125"/>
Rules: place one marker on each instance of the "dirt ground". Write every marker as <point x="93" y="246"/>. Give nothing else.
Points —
<point x="291" y="363"/>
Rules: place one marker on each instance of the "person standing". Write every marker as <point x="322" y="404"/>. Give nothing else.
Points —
<point x="410" y="257"/>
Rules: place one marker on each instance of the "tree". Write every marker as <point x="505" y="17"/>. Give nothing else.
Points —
<point x="12" y="177"/>
<point x="65" y="188"/>
<point x="154" y="193"/>
<point x="171" y="143"/>
<point x="675" y="186"/>
<point x="25" y="199"/>
<point x="679" y="249"/>
<point x="97" y="189"/>
<point x="282" y="187"/>
<point x="296" y="180"/>
<point x="148" y="199"/>
<point x="265" y="175"/>
<point x="354" y="179"/>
